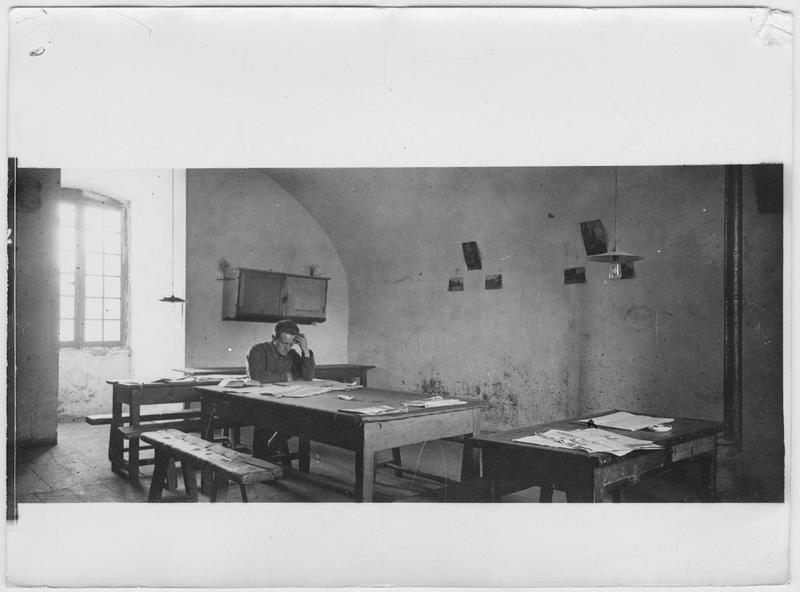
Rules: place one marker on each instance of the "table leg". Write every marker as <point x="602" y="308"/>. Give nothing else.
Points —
<point x="490" y="474"/>
<point x="304" y="452"/>
<point x="546" y="494"/>
<point x="470" y="457"/>
<point x="116" y="442"/>
<point x="365" y="469"/>
<point x="206" y="412"/>
<point x="133" y="445"/>
<point x="707" y="487"/>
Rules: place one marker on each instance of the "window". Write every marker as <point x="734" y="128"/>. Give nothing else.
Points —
<point x="92" y="273"/>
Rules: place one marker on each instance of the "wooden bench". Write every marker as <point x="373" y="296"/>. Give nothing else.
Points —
<point x="193" y="452"/>
<point x="106" y="418"/>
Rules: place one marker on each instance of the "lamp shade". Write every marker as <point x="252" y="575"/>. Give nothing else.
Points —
<point x="614" y="257"/>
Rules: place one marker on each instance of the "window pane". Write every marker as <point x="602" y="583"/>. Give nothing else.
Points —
<point x="112" y="287"/>
<point x="66" y="214"/>
<point x="112" y="308"/>
<point x="113" y="265"/>
<point x="94" y="264"/>
<point x="112" y="220"/>
<point x="94" y="286"/>
<point x="93" y="241"/>
<point x="66" y="330"/>
<point x="67" y="310"/>
<point x="93" y="331"/>
<point x="68" y="284"/>
<point x="66" y="261"/>
<point x="93" y="218"/>
<point x="112" y="242"/>
<point x="111" y="330"/>
<point x="93" y="308"/>
<point x="66" y="238"/>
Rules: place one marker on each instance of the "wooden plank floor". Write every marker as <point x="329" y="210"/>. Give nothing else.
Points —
<point x="77" y="470"/>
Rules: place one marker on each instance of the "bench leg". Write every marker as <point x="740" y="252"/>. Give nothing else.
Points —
<point x="248" y="491"/>
<point x="219" y="489"/>
<point x="189" y="480"/>
<point x="159" y="475"/>
<point x="172" y="475"/>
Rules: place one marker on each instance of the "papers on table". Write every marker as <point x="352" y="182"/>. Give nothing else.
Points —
<point x="375" y="410"/>
<point x="623" y="420"/>
<point x="300" y="388"/>
<point x="590" y="440"/>
<point x="236" y="382"/>
<point x="436" y="401"/>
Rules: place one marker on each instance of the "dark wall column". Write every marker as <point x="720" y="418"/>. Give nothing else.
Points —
<point x="733" y="306"/>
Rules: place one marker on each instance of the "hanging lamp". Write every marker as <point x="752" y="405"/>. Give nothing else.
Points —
<point x="614" y="257"/>
<point x="172" y="297"/>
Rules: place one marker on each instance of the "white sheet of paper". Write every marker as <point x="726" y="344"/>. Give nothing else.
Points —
<point x="627" y="421"/>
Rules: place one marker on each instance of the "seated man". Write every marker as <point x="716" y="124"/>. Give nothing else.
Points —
<point x="276" y="361"/>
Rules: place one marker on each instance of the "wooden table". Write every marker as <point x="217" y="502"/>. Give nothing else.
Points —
<point x="339" y="372"/>
<point x="319" y="418"/>
<point x="512" y="466"/>
<point x="136" y="396"/>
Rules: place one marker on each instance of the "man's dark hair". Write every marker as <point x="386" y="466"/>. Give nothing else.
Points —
<point x="286" y="326"/>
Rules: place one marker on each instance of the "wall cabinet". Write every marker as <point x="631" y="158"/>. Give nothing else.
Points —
<point x="269" y="296"/>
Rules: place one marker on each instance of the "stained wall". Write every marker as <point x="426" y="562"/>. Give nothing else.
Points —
<point x="538" y="349"/>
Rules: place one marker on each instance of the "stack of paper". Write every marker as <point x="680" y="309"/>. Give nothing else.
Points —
<point x="376" y="410"/>
<point x="236" y="382"/>
<point x="623" y="420"/>
<point x="436" y="401"/>
<point x="304" y="388"/>
<point x="590" y="440"/>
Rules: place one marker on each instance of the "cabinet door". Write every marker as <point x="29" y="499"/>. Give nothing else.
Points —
<point x="306" y="298"/>
<point x="260" y="294"/>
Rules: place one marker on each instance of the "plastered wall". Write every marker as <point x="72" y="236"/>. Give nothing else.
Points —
<point x="247" y="220"/>
<point x="538" y="349"/>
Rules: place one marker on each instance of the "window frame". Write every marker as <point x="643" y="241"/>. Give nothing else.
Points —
<point x="87" y="199"/>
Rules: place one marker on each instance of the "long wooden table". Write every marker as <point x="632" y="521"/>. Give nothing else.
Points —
<point x="512" y="466"/>
<point x="320" y="418"/>
<point x="137" y="396"/>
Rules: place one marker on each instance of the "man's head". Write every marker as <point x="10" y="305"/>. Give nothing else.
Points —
<point x="285" y="332"/>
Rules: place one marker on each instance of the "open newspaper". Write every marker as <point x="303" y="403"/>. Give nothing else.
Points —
<point x="589" y="440"/>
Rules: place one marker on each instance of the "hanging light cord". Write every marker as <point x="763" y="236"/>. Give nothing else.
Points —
<point x="172" y="244"/>
<point x="616" y="188"/>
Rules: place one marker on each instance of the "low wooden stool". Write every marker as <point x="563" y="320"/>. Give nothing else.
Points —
<point x="223" y="463"/>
